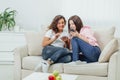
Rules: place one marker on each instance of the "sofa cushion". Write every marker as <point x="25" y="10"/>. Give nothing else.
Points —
<point x="93" y="69"/>
<point x="34" y="42"/>
<point x="109" y="49"/>
<point x="33" y="38"/>
<point x="87" y="77"/>
<point x="30" y="62"/>
<point x="118" y="43"/>
<point x="104" y="35"/>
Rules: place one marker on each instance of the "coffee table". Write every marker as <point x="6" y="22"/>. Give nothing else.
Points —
<point x="44" y="76"/>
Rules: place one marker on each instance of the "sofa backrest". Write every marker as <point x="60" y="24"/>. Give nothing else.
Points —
<point x="118" y="43"/>
<point x="104" y="36"/>
<point x="107" y="42"/>
<point x="34" y="39"/>
<point x="34" y="42"/>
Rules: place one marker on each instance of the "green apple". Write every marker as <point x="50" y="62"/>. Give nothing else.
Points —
<point x="55" y="73"/>
<point x="58" y="78"/>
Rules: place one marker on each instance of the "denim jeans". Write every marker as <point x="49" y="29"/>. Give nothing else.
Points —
<point x="89" y="53"/>
<point x="56" y="54"/>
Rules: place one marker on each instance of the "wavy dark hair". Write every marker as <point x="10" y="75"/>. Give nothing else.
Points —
<point x="77" y="21"/>
<point x="54" y="23"/>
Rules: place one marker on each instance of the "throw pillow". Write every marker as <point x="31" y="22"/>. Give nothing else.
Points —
<point x="109" y="49"/>
<point x="34" y="43"/>
<point x="104" y="35"/>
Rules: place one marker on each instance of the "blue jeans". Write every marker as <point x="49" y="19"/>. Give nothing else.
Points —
<point x="56" y="54"/>
<point x="89" y="53"/>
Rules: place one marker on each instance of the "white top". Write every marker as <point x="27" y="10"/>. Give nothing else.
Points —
<point x="58" y="42"/>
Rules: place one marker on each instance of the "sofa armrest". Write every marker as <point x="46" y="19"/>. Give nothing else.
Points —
<point x="118" y="43"/>
<point x="114" y="66"/>
<point x="19" y="53"/>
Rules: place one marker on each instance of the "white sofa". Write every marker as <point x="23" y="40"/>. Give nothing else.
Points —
<point x="25" y="60"/>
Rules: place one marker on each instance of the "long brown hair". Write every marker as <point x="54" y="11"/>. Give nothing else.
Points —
<point x="54" y="23"/>
<point x="77" y="21"/>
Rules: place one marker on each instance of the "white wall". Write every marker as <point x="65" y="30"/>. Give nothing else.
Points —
<point x="33" y="13"/>
<point x="94" y="12"/>
<point x="6" y="72"/>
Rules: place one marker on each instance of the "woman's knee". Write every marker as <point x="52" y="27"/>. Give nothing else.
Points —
<point x="46" y="53"/>
<point x="63" y="50"/>
<point x="73" y="39"/>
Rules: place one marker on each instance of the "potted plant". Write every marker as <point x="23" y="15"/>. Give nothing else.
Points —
<point x="7" y="19"/>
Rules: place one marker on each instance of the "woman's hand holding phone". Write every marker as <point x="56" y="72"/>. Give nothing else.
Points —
<point x="67" y="41"/>
<point x="74" y="34"/>
<point x="64" y="38"/>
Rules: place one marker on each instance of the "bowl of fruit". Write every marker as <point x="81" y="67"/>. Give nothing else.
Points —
<point x="55" y="76"/>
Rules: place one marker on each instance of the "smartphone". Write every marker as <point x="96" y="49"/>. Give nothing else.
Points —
<point x="64" y="38"/>
<point x="72" y="30"/>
